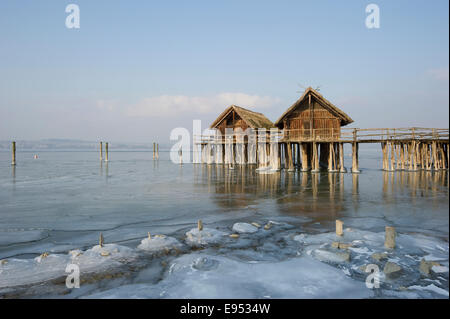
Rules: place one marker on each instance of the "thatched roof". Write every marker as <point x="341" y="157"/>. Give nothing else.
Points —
<point x="345" y="119"/>
<point x="253" y="119"/>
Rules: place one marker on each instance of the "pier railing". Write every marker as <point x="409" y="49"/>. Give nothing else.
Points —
<point x="344" y="135"/>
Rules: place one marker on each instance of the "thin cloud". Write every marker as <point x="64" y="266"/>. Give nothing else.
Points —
<point x="440" y="74"/>
<point x="175" y="105"/>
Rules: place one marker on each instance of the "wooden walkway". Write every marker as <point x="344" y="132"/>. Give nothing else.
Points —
<point x="411" y="148"/>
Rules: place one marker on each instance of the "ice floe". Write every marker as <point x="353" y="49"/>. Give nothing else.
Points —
<point x="244" y="228"/>
<point x="159" y="243"/>
<point x="226" y="278"/>
<point x="206" y="236"/>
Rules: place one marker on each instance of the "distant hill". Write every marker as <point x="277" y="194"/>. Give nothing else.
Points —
<point x="68" y="144"/>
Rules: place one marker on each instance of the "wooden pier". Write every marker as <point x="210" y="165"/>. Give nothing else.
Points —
<point x="409" y="149"/>
<point x="310" y="136"/>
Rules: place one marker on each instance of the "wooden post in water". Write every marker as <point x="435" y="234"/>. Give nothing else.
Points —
<point x="383" y="151"/>
<point x="410" y="155"/>
<point x="441" y="148"/>
<point x="101" y="241"/>
<point x="414" y="155"/>
<point x="339" y="227"/>
<point x="402" y="156"/>
<point x="332" y="167"/>
<point x="421" y="155"/>
<point x="355" y="146"/>
<point x="279" y="156"/>
<point x="341" y="158"/>
<point x="305" y="160"/>
<point x="289" y="157"/>
<point x="315" y="158"/>
<point x="434" y="151"/>
<point x="330" y="158"/>
<point x="355" y="161"/>
<point x="392" y="157"/>
<point x="154" y="150"/>
<point x="157" y="150"/>
<point x="106" y="151"/>
<point x="101" y="151"/>
<point x="389" y="241"/>
<point x="13" y="153"/>
<point x="427" y="157"/>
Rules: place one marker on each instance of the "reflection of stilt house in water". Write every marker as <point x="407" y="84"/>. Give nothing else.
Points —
<point x="310" y="135"/>
<point x="313" y="122"/>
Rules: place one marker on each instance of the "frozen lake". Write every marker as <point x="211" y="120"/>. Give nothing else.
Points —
<point x="64" y="200"/>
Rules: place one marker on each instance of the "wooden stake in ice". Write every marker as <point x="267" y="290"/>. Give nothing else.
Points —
<point x="101" y="151"/>
<point x="389" y="241"/>
<point x="339" y="227"/>
<point x="200" y="225"/>
<point x="106" y="151"/>
<point x="149" y="236"/>
<point x="13" y="153"/>
<point x="101" y="240"/>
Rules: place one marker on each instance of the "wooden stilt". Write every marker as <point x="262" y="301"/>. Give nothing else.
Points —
<point x="355" y="163"/>
<point x="154" y="150"/>
<point x="305" y="160"/>
<point x="101" y="151"/>
<point x="289" y="157"/>
<point x="402" y="156"/>
<point x="106" y="152"/>
<point x="410" y="156"/>
<point x="383" y="151"/>
<point x="341" y="158"/>
<point x="434" y="151"/>
<point x="13" y="162"/>
<point x="397" y="154"/>
<point x="392" y="167"/>
<point x="315" y="157"/>
<point x="422" y="155"/>
<point x="442" y="156"/>
<point x="330" y="157"/>
<point x="279" y="155"/>
<point x="286" y="156"/>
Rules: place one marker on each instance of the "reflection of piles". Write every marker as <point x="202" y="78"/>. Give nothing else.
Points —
<point x="416" y="183"/>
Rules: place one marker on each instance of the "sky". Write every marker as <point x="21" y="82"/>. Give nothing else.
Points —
<point x="135" y="70"/>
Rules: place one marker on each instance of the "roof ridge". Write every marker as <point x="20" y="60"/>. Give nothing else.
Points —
<point x="319" y="96"/>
